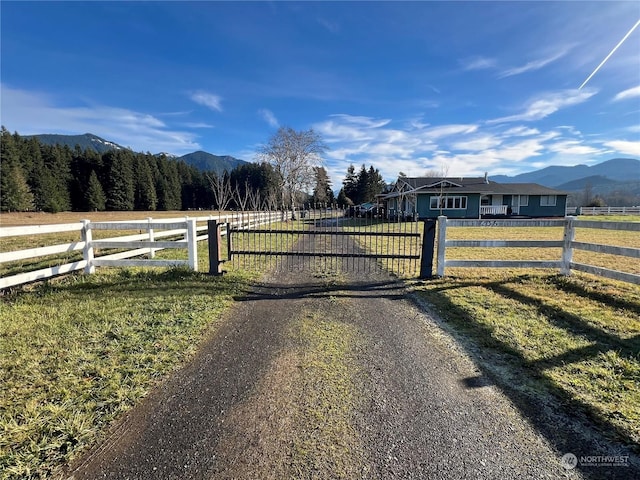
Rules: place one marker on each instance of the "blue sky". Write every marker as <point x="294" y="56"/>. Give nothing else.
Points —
<point x="456" y="87"/>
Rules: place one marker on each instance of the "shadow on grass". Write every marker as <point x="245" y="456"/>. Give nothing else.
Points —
<point x="572" y="430"/>
<point x="578" y="288"/>
<point x="604" y="341"/>
<point x="140" y="283"/>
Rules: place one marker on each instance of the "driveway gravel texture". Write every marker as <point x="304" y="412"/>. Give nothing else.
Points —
<point x="333" y="376"/>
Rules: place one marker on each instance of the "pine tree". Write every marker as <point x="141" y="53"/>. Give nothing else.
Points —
<point x="120" y="187"/>
<point x="94" y="196"/>
<point x="322" y="192"/>
<point x="57" y="161"/>
<point x="15" y="194"/>
<point x="375" y="184"/>
<point x="168" y="185"/>
<point x="40" y="180"/>
<point x="343" y="200"/>
<point x="362" y="186"/>
<point x="145" y="197"/>
<point x="350" y="184"/>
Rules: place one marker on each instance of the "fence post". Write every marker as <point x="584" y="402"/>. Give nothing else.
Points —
<point x="87" y="251"/>
<point x="567" y="245"/>
<point x="229" y="237"/>
<point x="152" y="251"/>
<point x="442" y="238"/>
<point x="215" y="242"/>
<point x="428" y="245"/>
<point x="192" y="244"/>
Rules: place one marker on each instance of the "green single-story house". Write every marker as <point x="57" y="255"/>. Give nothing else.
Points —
<point x="475" y="197"/>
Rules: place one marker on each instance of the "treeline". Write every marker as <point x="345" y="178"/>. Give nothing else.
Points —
<point x="361" y="187"/>
<point x="55" y="178"/>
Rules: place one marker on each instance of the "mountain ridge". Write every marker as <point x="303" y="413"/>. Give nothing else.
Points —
<point x="86" y="140"/>
<point x="205" y="161"/>
<point x="201" y="160"/>
<point x="617" y="169"/>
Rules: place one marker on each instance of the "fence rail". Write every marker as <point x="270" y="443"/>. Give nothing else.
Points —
<point x="568" y="245"/>
<point x="603" y="210"/>
<point x="134" y="245"/>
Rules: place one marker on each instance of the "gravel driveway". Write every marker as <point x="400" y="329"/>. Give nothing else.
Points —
<point x="326" y="377"/>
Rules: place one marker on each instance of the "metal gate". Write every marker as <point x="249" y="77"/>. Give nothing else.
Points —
<point x="325" y="241"/>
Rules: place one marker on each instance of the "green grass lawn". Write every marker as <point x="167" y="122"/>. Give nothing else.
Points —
<point x="576" y="338"/>
<point x="79" y="351"/>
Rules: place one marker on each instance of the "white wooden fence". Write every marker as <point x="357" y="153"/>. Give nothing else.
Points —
<point x="603" y="210"/>
<point x="567" y="243"/>
<point x="185" y="229"/>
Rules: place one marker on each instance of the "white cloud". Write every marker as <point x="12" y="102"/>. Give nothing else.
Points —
<point x="198" y="125"/>
<point x="367" y="122"/>
<point x="574" y="147"/>
<point x="478" y="63"/>
<point x="547" y="104"/>
<point x="449" y="130"/>
<point x="484" y="142"/>
<point x="533" y="65"/>
<point x="269" y="117"/>
<point x="464" y="149"/>
<point x="625" y="147"/>
<point x="571" y="129"/>
<point x="31" y="113"/>
<point x="521" y="131"/>
<point x="626" y="94"/>
<point x="207" y="99"/>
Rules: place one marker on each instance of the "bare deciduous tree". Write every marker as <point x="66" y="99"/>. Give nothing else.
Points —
<point x="293" y="155"/>
<point x="242" y="196"/>
<point x="221" y="187"/>
<point x="254" y="199"/>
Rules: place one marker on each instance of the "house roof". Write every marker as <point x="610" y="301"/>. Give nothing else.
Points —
<point x="458" y="185"/>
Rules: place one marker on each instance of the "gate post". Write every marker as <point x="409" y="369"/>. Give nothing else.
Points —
<point x="428" y="245"/>
<point x="215" y="243"/>
<point x="192" y="244"/>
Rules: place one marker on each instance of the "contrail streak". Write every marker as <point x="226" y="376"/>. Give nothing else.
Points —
<point x="610" y="53"/>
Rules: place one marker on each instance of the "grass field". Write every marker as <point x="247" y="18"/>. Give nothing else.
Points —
<point x="576" y="338"/>
<point x="80" y="350"/>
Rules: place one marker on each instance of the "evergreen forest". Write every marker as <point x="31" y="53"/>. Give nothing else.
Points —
<point x="56" y="178"/>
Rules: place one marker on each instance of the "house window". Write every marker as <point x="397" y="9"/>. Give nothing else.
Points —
<point x="448" y="202"/>
<point x="524" y="200"/>
<point x="547" y="200"/>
